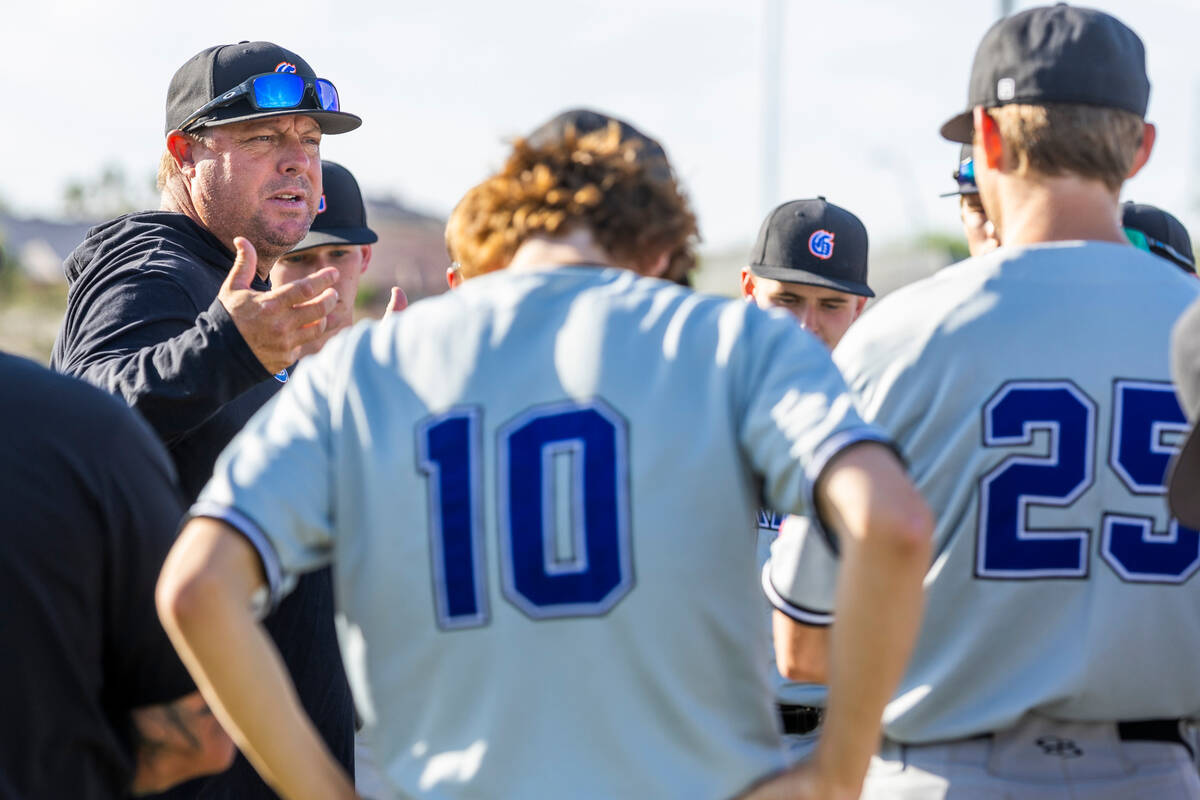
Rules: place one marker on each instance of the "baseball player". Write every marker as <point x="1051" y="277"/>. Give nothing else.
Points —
<point x="339" y="237"/>
<point x="1032" y="398"/>
<point x="526" y="486"/>
<point x="810" y="259"/>
<point x="980" y="232"/>
<point x="1156" y="231"/>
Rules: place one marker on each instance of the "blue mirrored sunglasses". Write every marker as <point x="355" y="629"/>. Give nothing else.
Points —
<point x="272" y="90"/>
<point x="965" y="174"/>
<point x="1151" y="245"/>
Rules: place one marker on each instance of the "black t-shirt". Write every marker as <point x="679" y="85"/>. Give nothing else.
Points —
<point x="143" y="322"/>
<point x="90" y="509"/>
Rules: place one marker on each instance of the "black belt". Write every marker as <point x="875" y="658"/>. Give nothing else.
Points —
<point x="799" y="720"/>
<point x="1153" y="730"/>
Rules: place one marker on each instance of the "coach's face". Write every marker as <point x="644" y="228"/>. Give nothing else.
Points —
<point x="260" y="179"/>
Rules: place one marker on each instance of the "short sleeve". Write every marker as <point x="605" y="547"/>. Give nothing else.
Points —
<point x="796" y="413"/>
<point x="274" y="483"/>
<point x="800" y="579"/>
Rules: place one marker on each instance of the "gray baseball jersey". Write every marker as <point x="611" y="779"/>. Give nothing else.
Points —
<point x="530" y="490"/>
<point x="1030" y="392"/>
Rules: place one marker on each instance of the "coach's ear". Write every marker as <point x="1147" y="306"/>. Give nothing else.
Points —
<point x="181" y="147"/>
<point x="988" y="140"/>
<point x="1149" y="132"/>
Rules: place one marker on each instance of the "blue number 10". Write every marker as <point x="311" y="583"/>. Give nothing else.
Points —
<point x="1143" y="413"/>
<point x="597" y="572"/>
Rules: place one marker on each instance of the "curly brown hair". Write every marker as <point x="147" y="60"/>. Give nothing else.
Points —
<point x="596" y="181"/>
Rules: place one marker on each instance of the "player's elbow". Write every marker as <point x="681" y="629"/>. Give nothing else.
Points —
<point x="905" y="531"/>
<point x="182" y="600"/>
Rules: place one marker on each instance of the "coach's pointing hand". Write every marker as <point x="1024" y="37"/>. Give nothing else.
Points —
<point x="276" y="323"/>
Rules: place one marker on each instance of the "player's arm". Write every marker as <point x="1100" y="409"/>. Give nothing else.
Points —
<point x="177" y="741"/>
<point x="801" y="651"/>
<point x="883" y="527"/>
<point x="206" y="600"/>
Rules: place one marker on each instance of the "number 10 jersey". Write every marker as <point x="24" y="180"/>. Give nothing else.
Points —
<point x="534" y="493"/>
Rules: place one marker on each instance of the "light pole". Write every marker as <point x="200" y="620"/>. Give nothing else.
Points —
<point x="772" y="33"/>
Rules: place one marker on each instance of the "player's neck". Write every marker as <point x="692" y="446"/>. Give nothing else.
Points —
<point x="1057" y="209"/>
<point x="576" y="247"/>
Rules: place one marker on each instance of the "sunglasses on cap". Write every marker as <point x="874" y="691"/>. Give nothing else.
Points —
<point x="1151" y="245"/>
<point x="272" y="90"/>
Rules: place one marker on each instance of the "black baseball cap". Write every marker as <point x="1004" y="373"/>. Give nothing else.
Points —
<point x="1056" y="54"/>
<point x="1165" y="235"/>
<point x="584" y="121"/>
<point x="1183" y="485"/>
<point x="813" y="242"/>
<point x="964" y="175"/>
<point x="342" y="215"/>
<point x="212" y="72"/>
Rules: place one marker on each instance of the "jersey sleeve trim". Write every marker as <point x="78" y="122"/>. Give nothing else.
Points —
<point x="825" y="453"/>
<point x="805" y="616"/>
<point x="272" y="566"/>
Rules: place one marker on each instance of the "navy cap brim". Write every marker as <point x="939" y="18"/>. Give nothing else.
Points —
<point x="789" y="275"/>
<point x="331" y="122"/>
<point x="1183" y="485"/>
<point x="960" y="128"/>
<point x="336" y="236"/>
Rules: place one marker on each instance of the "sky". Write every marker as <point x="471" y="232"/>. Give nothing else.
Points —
<point x="442" y="87"/>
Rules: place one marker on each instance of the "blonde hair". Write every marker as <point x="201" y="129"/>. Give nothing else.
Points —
<point x="596" y="181"/>
<point x="1058" y="138"/>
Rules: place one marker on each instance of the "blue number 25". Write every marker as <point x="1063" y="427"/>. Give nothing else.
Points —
<point x="1144" y="412"/>
<point x="597" y="572"/>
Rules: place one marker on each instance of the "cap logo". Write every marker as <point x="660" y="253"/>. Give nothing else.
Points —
<point x="820" y="244"/>
<point x="1006" y="89"/>
<point x="285" y="66"/>
<point x="321" y="205"/>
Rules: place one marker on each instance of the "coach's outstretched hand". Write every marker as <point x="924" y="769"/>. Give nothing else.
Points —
<point x="278" y="322"/>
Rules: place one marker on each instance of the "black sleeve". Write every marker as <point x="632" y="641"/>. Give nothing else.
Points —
<point x="142" y="340"/>
<point x="142" y="507"/>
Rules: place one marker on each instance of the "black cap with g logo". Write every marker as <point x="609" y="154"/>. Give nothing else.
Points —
<point x="214" y="71"/>
<point x="813" y="242"/>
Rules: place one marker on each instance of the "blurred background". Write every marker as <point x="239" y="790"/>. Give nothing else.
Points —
<point x="756" y="102"/>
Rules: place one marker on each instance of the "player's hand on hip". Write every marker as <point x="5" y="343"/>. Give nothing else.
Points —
<point x="277" y="323"/>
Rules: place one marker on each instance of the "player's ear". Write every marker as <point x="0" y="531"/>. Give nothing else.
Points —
<point x="1149" y="132"/>
<point x="182" y="148"/>
<point x="658" y="267"/>
<point x="988" y="141"/>
<point x="366" y="257"/>
<point x="859" y="304"/>
<point x="747" y="283"/>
